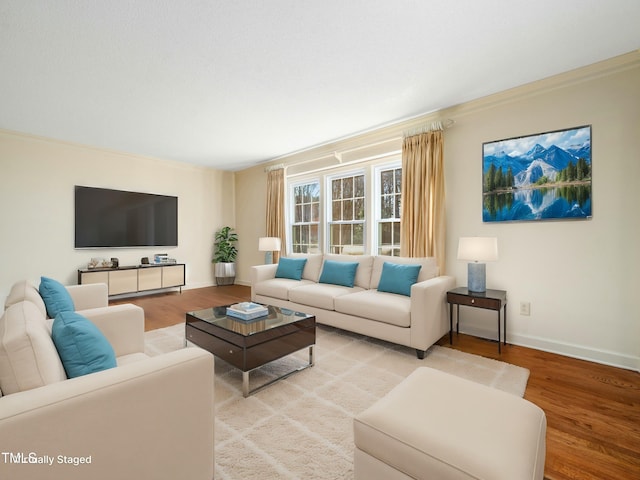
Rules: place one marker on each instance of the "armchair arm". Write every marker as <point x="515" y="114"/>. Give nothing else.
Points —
<point x="149" y="419"/>
<point x="260" y="273"/>
<point x="123" y="325"/>
<point x="429" y="311"/>
<point x="90" y="295"/>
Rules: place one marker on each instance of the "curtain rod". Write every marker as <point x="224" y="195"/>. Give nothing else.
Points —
<point x="434" y="126"/>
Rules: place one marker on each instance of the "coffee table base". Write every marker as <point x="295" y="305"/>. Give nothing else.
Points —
<point x="245" y="376"/>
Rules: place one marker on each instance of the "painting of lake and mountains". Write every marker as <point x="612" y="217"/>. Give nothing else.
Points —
<point x="538" y="177"/>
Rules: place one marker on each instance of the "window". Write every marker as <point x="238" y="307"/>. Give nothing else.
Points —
<point x="389" y="184"/>
<point x="347" y="215"/>
<point x="306" y="218"/>
<point x="346" y="209"/>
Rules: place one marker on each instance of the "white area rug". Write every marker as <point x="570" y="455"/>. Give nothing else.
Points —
<point x="302" y="427"/>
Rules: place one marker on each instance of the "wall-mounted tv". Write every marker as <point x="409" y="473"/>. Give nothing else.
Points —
<point x="107" y="218"/>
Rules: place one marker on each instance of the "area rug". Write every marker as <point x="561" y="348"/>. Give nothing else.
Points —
<point x="302" y="426"/>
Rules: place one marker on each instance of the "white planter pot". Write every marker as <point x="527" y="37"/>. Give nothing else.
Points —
<point x="225" y="273"/>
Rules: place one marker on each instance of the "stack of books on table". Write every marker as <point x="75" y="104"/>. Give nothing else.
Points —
<point x="247" y="310"/>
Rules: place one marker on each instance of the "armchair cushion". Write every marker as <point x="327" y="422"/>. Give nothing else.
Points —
<point x="55" y="296"/>
<point x="82" y="347"/>
<point x="28" y="357"/>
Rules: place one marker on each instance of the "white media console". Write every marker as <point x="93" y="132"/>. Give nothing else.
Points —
<point x="135" y="279"/>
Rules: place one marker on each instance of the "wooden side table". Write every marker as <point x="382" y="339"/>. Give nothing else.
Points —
<point x="491" y="300"/>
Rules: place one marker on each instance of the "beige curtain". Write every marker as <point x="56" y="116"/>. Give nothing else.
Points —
<point x="275" y="208"/>
<point x="422" y="220"/>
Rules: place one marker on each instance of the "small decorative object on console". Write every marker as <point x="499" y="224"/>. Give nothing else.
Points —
<point x="247" y="310"/>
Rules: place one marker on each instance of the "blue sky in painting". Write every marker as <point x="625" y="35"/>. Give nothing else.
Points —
<point x="516" y="147"/>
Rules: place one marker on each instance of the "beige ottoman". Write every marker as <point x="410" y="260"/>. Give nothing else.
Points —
<point x="438" y="426"/>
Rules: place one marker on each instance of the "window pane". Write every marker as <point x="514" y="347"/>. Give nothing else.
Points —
<point x="358" y="209"/>
<point x="313" y="235"/>
<point x="358" y="234"/>
<point x="298" y="213"/>
<point x="345" y="235"/>
<point x="398" y="180"/>
<point x="386" y="207"/>
<point x="335" y="235"/>
<point x="296" y="234"/>
<point x="315" y="212"/>
<point x="305" y="234"/>
<point x="306" y="213"/>
<point x="336" y="214"/>
<point x="347" y="210"/>
<point x="397" y="206"/>
<point x="359" y="186"/>
<point x="386" y="232"/>
<point x="307" y="193"/>
<point x="314" y="189"/>
<point x="386" y="182"/>
<point x="336" y="189"/>
<point x="347" y="187"/>
<point x="297" y="193"/>
<point x="396" y="233"/>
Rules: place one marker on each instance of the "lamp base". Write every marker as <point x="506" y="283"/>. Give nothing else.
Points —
<point x="477" y="277"/>
<point x="268" y="258"/>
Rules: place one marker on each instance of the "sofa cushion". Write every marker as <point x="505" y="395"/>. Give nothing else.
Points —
<point x="429" y="267"/>
<point x="28" y="357"/>
<point x="397" y="278"/>
<point x="338" y="273"/>
<point x="313" y="266"/>
<point x="320" y="295"/>
<point x="380" y="306"/>
<point x="290" y="268"/>
<point x="22" y="291"/>
<point x="279" y="287"/>
<point x="55" y="296"/>
<point x="82" y="347"/>
<point x="363" y="272"/>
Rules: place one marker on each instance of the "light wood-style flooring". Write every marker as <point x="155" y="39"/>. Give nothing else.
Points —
<point x="593" y="410"/>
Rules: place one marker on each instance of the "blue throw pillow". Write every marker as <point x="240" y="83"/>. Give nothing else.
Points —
<point x="82" y="347"/>
<point x="338" y="273"/>
<point x="56" y="298"/>
<point x="396" y="278"/>
<point x="290" y="268"/>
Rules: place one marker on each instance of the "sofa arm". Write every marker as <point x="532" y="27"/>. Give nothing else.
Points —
<point x="123" y="325"/>
<point x="149" y="419"/>
<point x="90" y="295"/>
<point x="429" y="311"/>
<point x="260" y="273"/>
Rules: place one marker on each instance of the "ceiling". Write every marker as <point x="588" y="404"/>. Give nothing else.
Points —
<point x="233" y="83"/>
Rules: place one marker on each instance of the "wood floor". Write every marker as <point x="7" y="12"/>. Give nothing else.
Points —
<point x="593" y="411"/>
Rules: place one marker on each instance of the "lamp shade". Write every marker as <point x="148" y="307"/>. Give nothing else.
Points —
<point x="478" y="249"/>
<point x="269" y="244"/>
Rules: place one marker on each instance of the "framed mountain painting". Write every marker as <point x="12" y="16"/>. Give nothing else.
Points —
<point x="537" y="177"/>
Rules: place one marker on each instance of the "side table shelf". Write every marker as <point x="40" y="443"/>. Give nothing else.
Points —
<point x="490" y="300"/>
<point x="135" y="279"/>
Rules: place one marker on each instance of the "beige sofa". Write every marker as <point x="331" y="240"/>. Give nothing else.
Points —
<point x="150" y="417"/>
<point x="416" y="321"/>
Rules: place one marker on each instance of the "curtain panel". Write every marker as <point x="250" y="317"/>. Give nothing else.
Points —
<point x="422" y="219"/>
<point x="275" y="208"/>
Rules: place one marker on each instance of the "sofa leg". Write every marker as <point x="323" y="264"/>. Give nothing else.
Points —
<point x="420" y="354"/>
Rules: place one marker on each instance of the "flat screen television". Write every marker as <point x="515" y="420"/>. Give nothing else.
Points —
<point x="115" y="218"/>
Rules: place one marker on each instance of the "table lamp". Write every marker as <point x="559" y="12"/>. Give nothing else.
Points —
<point x="268" y="245"/>
<point x="477" y="250"/>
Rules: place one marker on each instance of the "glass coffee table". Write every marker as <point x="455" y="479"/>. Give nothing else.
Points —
<point x="249" y="344"/>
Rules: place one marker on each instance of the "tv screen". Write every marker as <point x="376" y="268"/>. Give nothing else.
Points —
<point x="115" y="218"/>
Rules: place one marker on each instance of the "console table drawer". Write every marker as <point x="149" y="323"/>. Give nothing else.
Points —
<point x="479" y="302"/>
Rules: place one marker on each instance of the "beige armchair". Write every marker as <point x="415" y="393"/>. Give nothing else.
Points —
<point x="150" y="417"/>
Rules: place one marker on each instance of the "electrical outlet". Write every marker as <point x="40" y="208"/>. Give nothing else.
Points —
<point x="525" y="308"/>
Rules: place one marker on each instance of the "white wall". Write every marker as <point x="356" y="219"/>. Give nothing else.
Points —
<point x="579" y="276"/>
<point x="37" y="207"/>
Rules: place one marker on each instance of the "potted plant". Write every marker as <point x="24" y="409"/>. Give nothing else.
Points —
<point x="224" y="256"/>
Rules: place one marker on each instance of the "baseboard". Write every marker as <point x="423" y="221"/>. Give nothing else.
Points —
<point x="605" y="357"/>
